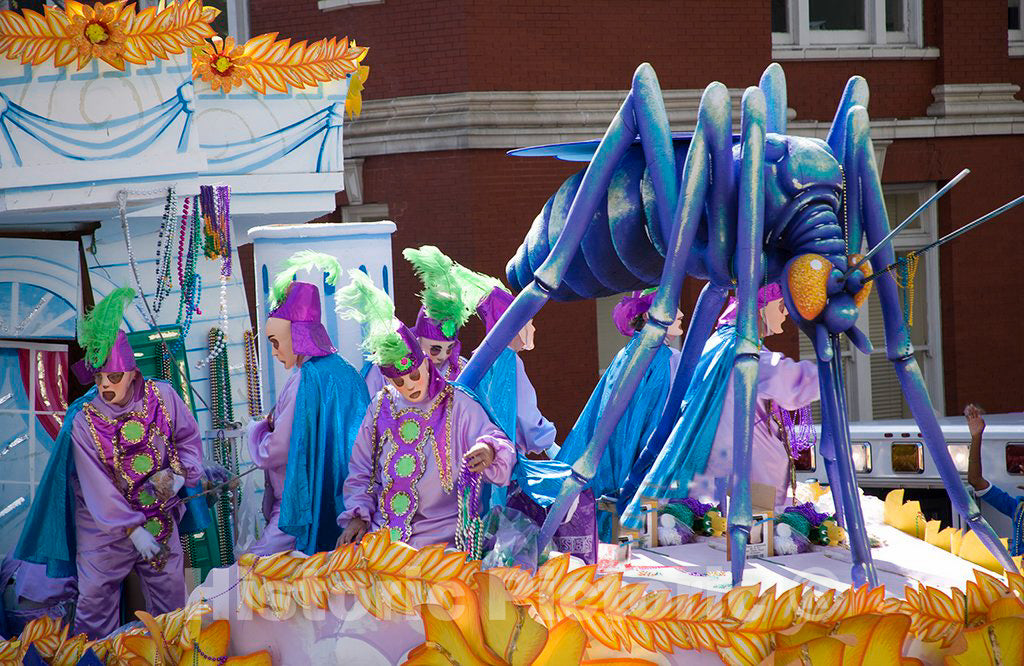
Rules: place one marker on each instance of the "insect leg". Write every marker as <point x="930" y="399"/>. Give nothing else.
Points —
<point x="899" y="348"/>
<point x="749" y="261"/>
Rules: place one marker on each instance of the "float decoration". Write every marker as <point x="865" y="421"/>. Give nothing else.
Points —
<point x="172" y="638"/>
<point x="744" y="626"/>
<point x="112" y="32"/>
<point x="965" y="544"/>
<point x="267" y="62"/>
<point x="116" y="34"/>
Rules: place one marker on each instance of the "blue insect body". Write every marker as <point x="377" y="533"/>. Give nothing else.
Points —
<point x="624" y="245"/>
<point x="739" y="211"/>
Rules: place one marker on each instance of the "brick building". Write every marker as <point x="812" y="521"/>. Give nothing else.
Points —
<point x="456" y="84"/>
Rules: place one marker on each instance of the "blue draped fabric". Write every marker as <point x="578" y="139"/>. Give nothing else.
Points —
<point x="634" y="428"/>
<point x="329" y="406"/>
<point x="497" y="392"/>
<point x="539" y="479"/>
<point x="667" y="473"/>
<point x="48" y="536"/>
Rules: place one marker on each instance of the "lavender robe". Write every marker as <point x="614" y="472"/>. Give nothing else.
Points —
<point x="534" y="433"/>
<point x="435" y="518"/>
<point x="269" y="450"/>
<point x="789" y="384"/>
<point x="104" y="519"/>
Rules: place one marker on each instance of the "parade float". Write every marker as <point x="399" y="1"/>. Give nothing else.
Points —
<point x="191" y="141"/>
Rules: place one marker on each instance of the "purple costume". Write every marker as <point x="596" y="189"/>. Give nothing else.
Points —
<point x="407" y="457"/>
<point x="116" y="452"/>
<point x="534" y="433"/>
<point x="269" y="451"/>
<point x="269" y="447"/>
<point x="789" y="384"/>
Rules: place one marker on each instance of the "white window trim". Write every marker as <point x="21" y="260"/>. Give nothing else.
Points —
<point x="1015" y="39"/>
<point x="328" y="5"/>
<point x="802" y="43"/>
<point x="860" y="368"/>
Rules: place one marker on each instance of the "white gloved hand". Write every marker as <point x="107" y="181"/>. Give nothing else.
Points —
<point x="145" y="543"/>
<point x="179" y="481"/>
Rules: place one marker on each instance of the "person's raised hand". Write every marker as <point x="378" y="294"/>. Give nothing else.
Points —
<point x="975" y="423"/>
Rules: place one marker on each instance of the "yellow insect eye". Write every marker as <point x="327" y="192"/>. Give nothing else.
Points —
<point x="807" y="278"/>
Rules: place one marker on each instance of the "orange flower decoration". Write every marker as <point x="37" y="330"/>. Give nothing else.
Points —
<point x="98" y="32"/>
<point x="223" y="64"/>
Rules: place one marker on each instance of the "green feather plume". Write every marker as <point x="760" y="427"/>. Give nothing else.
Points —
<point x="476" y="286"/>
<point x="305" y="260"/>
<point x="442" y="294"/>
<point x="97" y="330"/>
<point x="364" y="302"/>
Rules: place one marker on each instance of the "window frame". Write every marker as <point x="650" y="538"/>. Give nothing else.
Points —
<point x="800" y="37"/>
<point x="857" y="366"/>
<point x="1015" y="38"/>
<point x="238" y="20"/>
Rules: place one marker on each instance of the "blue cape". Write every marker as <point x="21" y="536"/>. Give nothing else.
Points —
<point x="541" y="480"/>
<point x="329" y="407"/>
<point x="634" y="428"/>
<point x="48" y="536"/>
<point x="666" y="471"/>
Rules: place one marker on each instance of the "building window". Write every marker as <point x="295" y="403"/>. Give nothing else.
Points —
<point x="831" y="23"/>
<point x="364" y="213"/>
<point x="1013" y="25"/>
<point x="233" y="19"/>
<point x="873" y="391"/>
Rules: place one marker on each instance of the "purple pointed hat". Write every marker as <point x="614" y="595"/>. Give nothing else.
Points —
<point x="410" y="361"/>
<point x="120" y="359"/>
<point x="302" y="308"/>
<point x="631" y="306"/>
<point x="493" y="306"/>
<point x="765" y="295"/>
<point x="432" y="329"/>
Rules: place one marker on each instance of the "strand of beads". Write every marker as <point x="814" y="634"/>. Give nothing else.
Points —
<point x="252" y="375"/>
<point x="223" y="449"/>
<point x="191" y="281"/>
<point x="799" y="433"/>
<point x="122" y="209"/>
<point x="217" y="216"/>
<point x="164" y="243"/>
<point x="469" y="527"/>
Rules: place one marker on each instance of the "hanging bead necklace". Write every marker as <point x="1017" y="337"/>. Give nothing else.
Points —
<point x="252" y="375"/>
<point x="469" y="526"/>
<point x="215" y="204"/>
<point x="191" y="281"/>
<point x="796" y="437"/>
<point x="222" y="417"/>
<point x="164" y="243"/>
